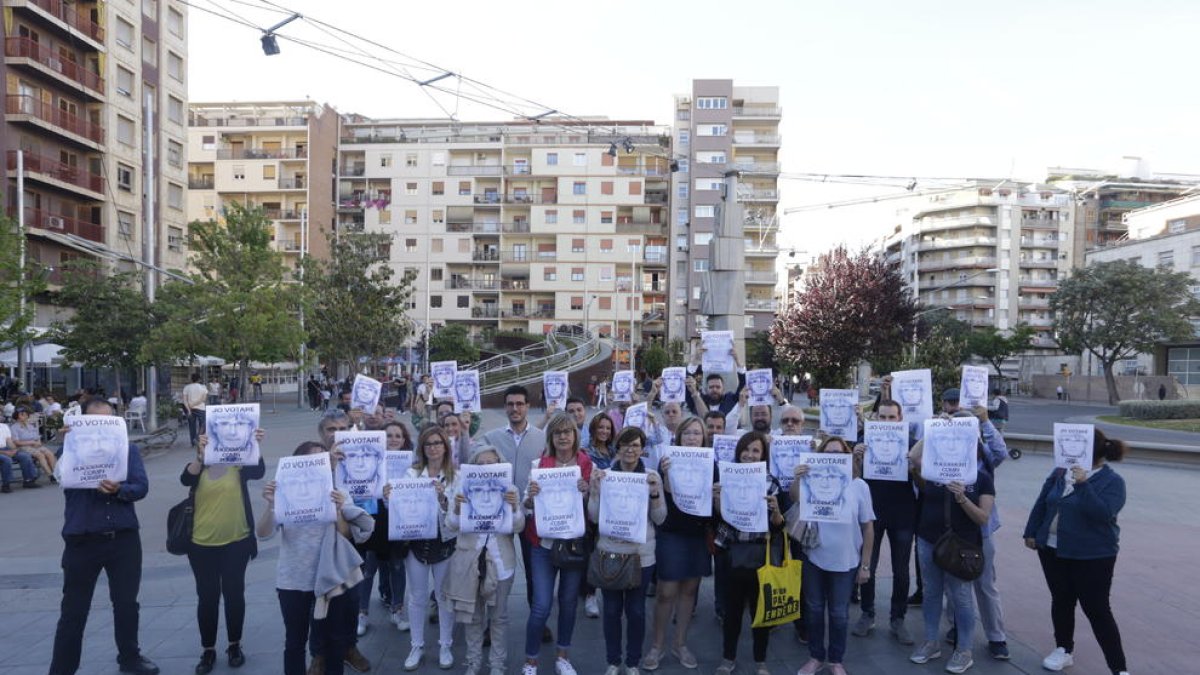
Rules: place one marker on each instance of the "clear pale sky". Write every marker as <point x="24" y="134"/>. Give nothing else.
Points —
<point x="916" y="88"/>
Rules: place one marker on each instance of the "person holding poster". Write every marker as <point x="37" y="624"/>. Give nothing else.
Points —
<point x="562" y="452"/>
<point x="761" y="383"/>
<point x="361" y="470"/>
<point x="974" y="386"/>
<point x="673" y="389"/>
<point x="913" y="390"/>
<point x="230" y="430"/>
<point x="364" y="393"/>
<point x="714" y="396"/>
<point x="480" y="596"/>
<point x="384" y="556"/>
<point x="839" y="412"/>
<point x="1073" y="445"/>
<point x="842" y="554"/>
<point x="785" y="457"/>
<point x="318" y="569"/>
<point x="682" y="557"/>
<point x="442" y="385"/>
<point x="96" y="451"/>
<point x="466" y="391"/>
<point x="622" y="386"/>
<point x="430" y="557"/>
<point x="743" y="551"/>
<point x="1073" y="527"/>
<point x="555" y="389"/>
<point x="610" y="500"/>
<point x="223" y="544"/>
<point x="100" y="533"/>
<point x="717" y="352"/>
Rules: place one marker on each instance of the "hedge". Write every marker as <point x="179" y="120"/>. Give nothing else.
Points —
<point x="1161" y="410"/>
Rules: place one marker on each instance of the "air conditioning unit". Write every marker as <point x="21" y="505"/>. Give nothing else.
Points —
<point x="54" y="223"/>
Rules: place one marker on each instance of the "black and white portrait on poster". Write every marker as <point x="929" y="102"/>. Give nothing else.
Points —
<point x="839" y="408"/>
<point x="230" y="430"/>
<point x="622" y="385"/>
<point x="483" y="489"/>
<point x="744" y="495"/>
<point x="823" y="488"/>
<point x="718" y="351"/>
<point x="364" y="393"/>
<point x="785" y="455"/>
<point x="466" y="391"/>
<point x="96" y="449"/>
<point x="637" y="415"/>
<point x="555" y="389"/>
<point x="724" y="446"/>
<point x="950" y="450"/>
<point x="913" y="390"/>
<point x="624" y="506"/>
<point x="558" y="505"/>
<point x="690" y="474"/>
<point x="673" y="385"/>
<point x="362" y="471"/>
<point x="886" y="457"/>
<point x="303" y="486"/>
<point x="443" y="378"/>
<point x="1073" y="445"/>
<point x="760" y="382"/>
<point x="413" y="510"/>
<point x="973" y="389"/>
<point x="398" y="462"/>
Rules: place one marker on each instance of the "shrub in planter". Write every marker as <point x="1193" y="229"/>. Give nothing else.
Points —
<point x="1161" y="410"/>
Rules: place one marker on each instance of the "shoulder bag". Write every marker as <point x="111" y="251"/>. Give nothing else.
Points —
<point x="614" y="571"/>
<point x="180" y="520"/>
<point x="569" y="554"/>
<point x="955" y="555"/>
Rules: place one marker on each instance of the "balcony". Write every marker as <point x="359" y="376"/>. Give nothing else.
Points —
<point x="474" y="228"/>
<point x="1039" y="224"/>
<point x="1038" y="264"/>
<point x="514" y="284"/>
<point x="1044" y="341"/>
<point x="48" y="62"/>
<point x="201" y="183"/>
<point x="516" y="198"/>
<point x="1027" y="282"/>
<point x="764" y="250"/>
<point x="754" y="277"/>
<point x="282" y="214"/>
<point x="22" y="108"/>
<point x="485" y="312"/>
<point x="1040" y="243"/>
<point x="757" y="167"/>
<point x="655" y="257"/>
<point x="56" y="174"/>
<point x="758" y="305"/>
<point x="514" y="313"/>
<point x="757" y="111"/>
<point x="650" y="171"/>
<point x="757" y="139"/>
<point x="1036" y="322"/>
<point x="66" y="13"/>
<point x="622" y="227"/>
<point x="956" y="263"/>
<point x="477" y="170"/>
<point x="262" y="153"/>
<point x="289" y="246"/>
<point x="352" y="171"/>
<point x="474" y="284"/>
<point x="44" y="220"/>
<point x="951" y="222"/>
<point x="955" y="242"/>
<point x="485" y="255"/>
<point x="655" y="198"/>
<point x="1022" y="303"/>
<point x="758" y="196"/>
<point x="296" y="183"/>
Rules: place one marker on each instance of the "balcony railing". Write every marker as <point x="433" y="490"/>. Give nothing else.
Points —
<point x="19" y="47"/>
<point x="757" y="167"/>
<point x="488" y="312"/>
<point x="655" y="198"/>
<point x="764" y="249"/>
<point x="514" y="284"/>
<point x="527" y="256"/>
<point x="753" y="277"/>
<point x="1037" y="283"/>
<point x="655" y="257"/>
<point x="55" y="169"/>
<point x="1039" y="223"/>
<point x="476" y="284"/>
<point x="281" y="214"/>
<point x="755" y="305"/>
<point x="643" y="171"/>
<point x="44" y="220"/>
<point x="517" y="198"/>
<point x="262" y="153"/>
<point x="65" y="12"/>
<point x="289" y="246"/>
<point x="759" y="195"/>
<point x="1038" y="264"/>
<point x="956" y="242"/>
<point x="757" y="111"/>
<point x="18" y="104"/>
<point x="757" y="139"/>
<point x="205" y="183"/>
<point x="353" y="170"/>
<point x="1040" y="243"/>
<point x="485" y="255"/>
<point x="292" y="184"/>
<point x="955" y="263"/>
<point x="475" y="170"/>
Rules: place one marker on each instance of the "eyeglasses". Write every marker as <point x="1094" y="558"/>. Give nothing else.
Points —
<point x="791" y="420"/>
<point x="340" y="428"/>
<point x="632" y="446"/>
<point x="564" y="432"/>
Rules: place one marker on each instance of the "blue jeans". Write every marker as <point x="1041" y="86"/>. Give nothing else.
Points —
<point x="825" y="590"/>
<point x="544" y="574"/>
<point x="28" y="472"/>
<point x="900" y="543"/>
<point x="195" y="424"/>
<point x="632" y="604"/>
<point x="937" y="583"/>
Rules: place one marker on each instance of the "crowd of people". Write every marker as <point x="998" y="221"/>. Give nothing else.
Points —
<point x="327" y="573"/>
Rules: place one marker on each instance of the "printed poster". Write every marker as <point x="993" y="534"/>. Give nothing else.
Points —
<point x="913" y="390"/>
<point x="364" y="394"/>
<point x="96" y="449"/>
<point x="362" y="471"/>
<point x="717" y="356"/>
<point x="690" y="476"/>
<point x="823" y="488"/>
<point x="1073" y="445"/>
<point x="484" y="508"/>
<point x="230" y="430"/>
<point x="558" y="505"/>
<point x="624" y="506"/>
<point x="886" y="457"/>
<point x="973" y="389"/>
<point x="398" y="463"/>
<point x="744" y="495"/>
<point x="622" y="385"/>
<point x="839" y="413"/>
<point x="724" y="446"/>
<point x="443" y="373"/>
<point x="555" y="389"/>
<point x="413" y="510"/>
<point x="673" y="385"/>
<point x="760" y="383"/>
<point x="950" y="450"/>
<point x="785" y="456"/>
<point x="303" y="486"/>
<point x="466" y="391"/>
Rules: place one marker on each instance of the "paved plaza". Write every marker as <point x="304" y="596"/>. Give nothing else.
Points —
<point x="1155" y="595"/>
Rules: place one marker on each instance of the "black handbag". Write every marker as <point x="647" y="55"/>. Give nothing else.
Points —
<point x="955" y="555"/>
<point x="614" y="571"/>
<point x="569" y="554"/>
<point x="180" y="520"/>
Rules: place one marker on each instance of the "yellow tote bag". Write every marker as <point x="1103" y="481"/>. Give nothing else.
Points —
<point x="778" y="590"/>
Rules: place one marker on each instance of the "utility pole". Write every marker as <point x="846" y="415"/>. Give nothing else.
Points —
<point x="149" y="244"/>
<point x="301" y="381"/>
<point x="21" y="362"/>
<point x="723" y="289"/>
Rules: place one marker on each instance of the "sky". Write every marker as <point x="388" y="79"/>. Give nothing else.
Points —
<point x="872" y="87"/>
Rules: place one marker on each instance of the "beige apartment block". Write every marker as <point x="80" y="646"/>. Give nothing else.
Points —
<point x="77" y="79"/>
<point x="517" y="225"/>
<point x="276" y="156"/>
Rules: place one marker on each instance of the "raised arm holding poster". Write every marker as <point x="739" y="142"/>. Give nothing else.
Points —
<point x="823" y="488"/>
<point x="466" y="391"/>
<point x="673" y="380"/>
<point x="785" y="455"/>
<point x="364" y="394"/>
<point x="744" y="495"/>
<point x="554" y="388"/>
<point x="624" y="506"/>
<point x="950" y="450"/>
<point x="1073" y="445"/>
<point x="622" y="385"/>
<point x="718" y="351"/>
<point x="413" y="510"/>
<point x="689" y="474"/>
<point x="558" y="505"/>
<point x="230" y="430"/>
<point x="443" y="378"/>
<point x="398" y="462"/>
<point x="760" y="382"/>
<point x="886" y="457"/>
<point x="913" y="390"/>
<point x="973" y="389"/>
<point x="303" y="486"/>
<point x="362" y="472"/>
<point x="839" y="409"/>
<point x="484" y="508"/>
<point x="96" y="449"/>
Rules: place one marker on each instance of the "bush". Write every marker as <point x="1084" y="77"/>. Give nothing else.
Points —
<point x="1185" y="409"/>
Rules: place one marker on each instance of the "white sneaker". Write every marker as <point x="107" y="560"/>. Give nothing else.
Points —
<point x="400" y="620"/>
<point x="631" y="671"/>
<point x="591" y="606"/>
<point x="612" y="670"/>
<point x="563" y="667"/>
<point x="362" y="625"/>
<point x="528" y="668"/>
<point x="1058" y="659"/>
<point x="415" y="656"/>
<point x="445" y="658"/>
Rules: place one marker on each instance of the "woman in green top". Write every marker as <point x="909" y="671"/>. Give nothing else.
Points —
<point x="223" y="544"/>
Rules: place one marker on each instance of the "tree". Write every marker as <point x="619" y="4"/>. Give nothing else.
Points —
<point x="942" y="347"/>
<point x="854" y="307"/>
<point x="760" y="353"/>
<point x="15" y="321"/>
<point x="1117" y="310"/>
<point x="450" y="343"/>
<point x="995" y="347"/>
<point x="654" y="360"/>
<point x="356" y="282"/>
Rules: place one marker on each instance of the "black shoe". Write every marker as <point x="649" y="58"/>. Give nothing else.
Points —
<point x="6" y="488"/>
<point x="207" y="660"/>
<point x="236" y="657"/>
<point x="916" y="598"/>
<point x="140" y="666"/>
<point x="998" y="650"/>
<point x="30" y="484"/>
<point x="952" y="636"/>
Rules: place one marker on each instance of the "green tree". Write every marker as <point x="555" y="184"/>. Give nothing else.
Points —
<point x="993" y="346"/>
<point x="1117" y="310"/>
<point x="15" y="322"/>
<point x="654" y="359"/>
<point x="356" y="307"/>
<point x="677" y="352"/>
<point x="760" y="353"/>
<point x="943" y="344"/>
<point x="450" y="343"/>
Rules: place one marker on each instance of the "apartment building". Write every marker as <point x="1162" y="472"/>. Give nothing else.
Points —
<point x="77" y="78"/>
<point x="721" y="128"/>
<point x="273" y="155"/>
<point x="519" y="225"/>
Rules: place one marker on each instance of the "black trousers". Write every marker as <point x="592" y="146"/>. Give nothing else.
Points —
<point x="337" y="627"/>
<point x="741" y="594"/>
<point x="220" y="572"/>
<point x="900" y="544"/>
<point x="119" y="556"/>
<point x="1087" y="582"/>
<point x="526" y="549"/>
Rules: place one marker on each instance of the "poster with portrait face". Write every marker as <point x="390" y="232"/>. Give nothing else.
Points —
<point x="785" y="455"/>
<point x="413" y="510"/>
<point x="554" y="387"/>
<point x="483" y="487"/>
<point x="760" y="382"/>
<point x="624" y="506"/>
<point x="718" y="351"/>
<point x="638" y="415"/>
<point x="363" y="470"/>
<point x="558" y="505"/>
<point x="230" y="430"/>
<point x="1073" y="445"/>
<point x="466" y="391"/>
<point x="886" y="457"/>
<point x="744" y="495"/>
<point x="691" y="479"/>
<point x="622" y="385"/>
<point x="364" y="394"/>
<point x="973" y="389"/>
<point x="724" y="446"/>
<point x="673" y="385"/>
<point x="302" y="488"/>
<point x="839" y="408"/>
<point x="913" y="390"/>
<point x="96" y="449"/>
<point x="823" y="488"/>
<point x="398" y="463"/>
<point x="443" y="378"/>
<point x="950" y="449"/>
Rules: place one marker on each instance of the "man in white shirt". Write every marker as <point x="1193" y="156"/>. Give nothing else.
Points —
<point x="194" y="398"/>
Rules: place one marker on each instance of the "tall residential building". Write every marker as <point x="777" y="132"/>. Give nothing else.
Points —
<point x="277" y="156"/>
<point x="520" y="225"/>
<point x="722" y="128"/>
<point x="77" y="77"/>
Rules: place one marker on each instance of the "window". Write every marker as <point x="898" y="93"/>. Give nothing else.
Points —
<point x="125" y="224"/>
<point x="239" y="172"/>
<point x="438" y="158"/>
<point x="579" y="188"/>
<point x="464" y="301"/>
<point x="700" y="265"/>
<point x="410" y="189"/>
<point x="712" y="130"/>
<point x="175" y="195"/>
<point x="124" y="130"/>
<point x="438" y="187"/>
<point x="175" y="238"/>
<point x="149" y="51"/>
<point x="410" y="160"/>
<point x="385" y="159"/>
<point x="683" y="115"/>
<point x="683" y="165"/>
<point x="551" y="216"/>
<point x="606" y="245"/>
<point x="702" y="238"/>
<point x="682" y="191"/>
<point x="712" y="103"/>
<point x="175" y="153"/>
<point x="268" y="172"/>
<point x="635" y="187"/>
<point x="550" y="274"/>
<point x="175" y="110"/>
<point x="435" y="245"/>
<point x="1195" y="256"/>
<point x="1176" y="226"/>
<point x="410" y="217"/>
<point x="435" y="301"/>
<point x="684" y="137"/>
<point x="710" y="157"/>
<point x="208" y="142"/>
<point x="439" y="216"/>
<point x="464" y="187"/>
<point x="576" y="246"/>
<point x="410" y="245"/>
<point x="705" y="211"/>
<point x="175" y="22"/>
<point x="681" y="216"/>
<point x="551" y="159"/>
<point x="606" y="274"/>
<point x="125" y="82"/>
<point x="605" y="303"/>
<point x="681" y="242"/>
<point x="576" y="274"/>
<point x="606" y="217"/>
<point x="124" y="34"/>
<point x="707" y="184"/>
<point x="696" y="296"/>
<point x="579" y="217"/>
<point x="1166" y="259"/>
<point x="633" y="246"/>
<point x="385" y="216"/>
<point x="576" y="302"/>
<point x="125" y="177"/>
<point x="606" y="187"/>
<point x="579" y="159"/>
<point x="175" y="66"/>
<point x="435" y="274"/>
<point x="149" y="8"/>
<point x="606" y="159"/>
